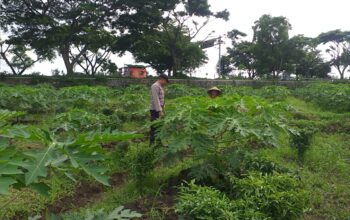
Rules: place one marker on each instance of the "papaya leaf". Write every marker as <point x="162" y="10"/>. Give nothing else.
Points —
<point x="41" y="188"/>
<point x="121" y="213"/>
<point x="5" y="183"/>
<point x="38" y="167"/>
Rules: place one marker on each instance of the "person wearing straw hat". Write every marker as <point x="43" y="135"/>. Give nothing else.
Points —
<point x="214" y="92"/>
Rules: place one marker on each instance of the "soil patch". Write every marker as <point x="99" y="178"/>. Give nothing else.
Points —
<point x="162" y="204"/>
<point x="84" y="194"/>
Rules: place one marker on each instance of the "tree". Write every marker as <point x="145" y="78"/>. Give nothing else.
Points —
<point x="64" y="26"/>
<point x="242" y="56"/>
<point x="97" y="53"/>
<point x="179" y="22"/>
<point x="339" y="49"/>
<point x="172" y="48"/>
<point x="155" y="49"/>
<point x="16" y="57"/>
<point x="226" y="66"/>
<point x="306" y="58"/>
<point x="271" y="35"/>
<point x="92" y="62"/>
<point x="109" y="68"/>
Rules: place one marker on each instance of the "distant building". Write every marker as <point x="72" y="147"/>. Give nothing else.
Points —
<point x="135" y="71"/>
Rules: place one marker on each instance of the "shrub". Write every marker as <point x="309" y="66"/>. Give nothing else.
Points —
<point x="140" y="161"/>
<point x="201" y="202"/>
<point x="279" y="196"/>
<point x="301" y="141"/>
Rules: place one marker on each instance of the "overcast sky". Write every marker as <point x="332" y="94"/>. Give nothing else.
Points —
<point x="308" y="17"/>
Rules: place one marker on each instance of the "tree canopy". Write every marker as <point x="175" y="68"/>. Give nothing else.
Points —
<point x="272" y="52"/>
<point x="339" y="49"/>
<point x="64" y="26"/>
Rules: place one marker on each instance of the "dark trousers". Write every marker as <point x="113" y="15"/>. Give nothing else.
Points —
<point x="154" y="117"/>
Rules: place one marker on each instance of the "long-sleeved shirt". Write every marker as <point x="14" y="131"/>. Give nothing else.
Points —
<point x="157" y="97"/>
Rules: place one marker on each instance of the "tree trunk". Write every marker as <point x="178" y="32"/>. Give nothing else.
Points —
<point x="174" y="66"/>
<point x="3" y="55"/>
<point x="64" y="50"/>
<point x="341" y="71"/>
<point x="174" y="61"/>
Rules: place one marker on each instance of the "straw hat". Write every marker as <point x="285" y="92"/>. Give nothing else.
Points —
<point x="214" y="89"/>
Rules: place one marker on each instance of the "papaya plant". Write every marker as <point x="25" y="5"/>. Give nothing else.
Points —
<point x="20" y="168"/>
<point x="201" y="123"/>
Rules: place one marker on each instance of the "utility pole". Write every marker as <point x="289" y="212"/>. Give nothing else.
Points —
<point x="220" y="66"/>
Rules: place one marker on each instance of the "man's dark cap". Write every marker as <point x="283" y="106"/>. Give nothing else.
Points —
<point x="163" y="76"/>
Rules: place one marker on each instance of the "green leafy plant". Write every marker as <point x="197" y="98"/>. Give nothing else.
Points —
<point x="331" y="97"/>
<point x="278" y="196"/>
<point x="7" y="116"/>
<point x="39" y="99"/>
<point x="140" y="160"/>
<point x="176" y="91"/>
<point x="120" y="213"/>
<point x="275" y="93"/>
<point x="301" y="141"/>
<point x="78" y="120"/>
<point x="201" y="202"/>
<point x="27" y="168"/>
<point x="204" y="126"/>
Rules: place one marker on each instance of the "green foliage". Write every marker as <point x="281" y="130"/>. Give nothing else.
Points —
<point x="271" y="35"/>
<point x="91" y="30"/>
<point x="278" y="196"/>
<point x="25" y="201"/>
<point x="78" y="120"/>
<point x="16" y="57"/>
<point x="119" y="213"/>
<point x="301" y="141"/>
<point x="139" y="161"/>
<point x="85" y="97"/>
<point x="226" y="144"/>
<point x="308" y="60"/>
<point x="237" y="90"/>
<point x="200" y="202"/>
<point x="176" y="91"/>
<point x="201" y="124"/>
<point x="339" y="49"/>
<point x="168" y="49"/>
<point x="273" y="53"/>
<point x="7" y="116"/>
<point x="242" y="57"/>
<point x="257" y="196"/>
<point x="38" y="99"/>
<point x="274" y="93"/>
<point x="331" y="97"/>
<point x="28" y="168"/>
